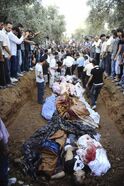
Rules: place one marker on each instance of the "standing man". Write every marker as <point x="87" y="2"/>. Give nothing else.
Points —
<point x="14" y="41"/>
<point x="68" y="62"/>
<point x="103" y="53"/>
<point x="97" y="80"/>
<point x="40" y="80"/>
<point x="97" y="44"/>
<point x="6" y="51"/>
<point x="80" y="65"/>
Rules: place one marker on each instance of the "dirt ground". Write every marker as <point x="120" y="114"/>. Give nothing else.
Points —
<point x="27" y="120"/>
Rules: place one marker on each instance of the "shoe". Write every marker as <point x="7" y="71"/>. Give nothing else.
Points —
<point x="14" y="80"/>
<point x="13" y="84"/>
<point x="2" y="87"/>
<point x="31" y="69"/>
<point x="116" y="80"/>
<point x="12" y="181"/>
<point x="94" y="107"/>
<point x="9" y="86"/>
<point x="20" y="74"/>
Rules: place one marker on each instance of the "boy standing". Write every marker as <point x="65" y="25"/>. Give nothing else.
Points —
<point x="40" y="80"/>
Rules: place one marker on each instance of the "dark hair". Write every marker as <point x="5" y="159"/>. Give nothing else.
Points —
<point x="114" y="33"/>
<point x="94" y="62"/>
<point x="107" y="37"/>
<point x="8" y="22"/>
<point x="16" y="29"/>
<point x="20" y="25"/>
<point x="85" y="57"/>
<point x="45" y="50"/>
<point x="102" y="35"/>
<point x="120" y="30"/>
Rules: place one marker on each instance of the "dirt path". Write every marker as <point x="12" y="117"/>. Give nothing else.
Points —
<point x="28" y="120"/>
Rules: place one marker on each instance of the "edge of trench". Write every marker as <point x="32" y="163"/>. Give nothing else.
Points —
<point x="12" y="99"/>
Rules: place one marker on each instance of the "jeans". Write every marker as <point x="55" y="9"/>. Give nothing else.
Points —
<point x="102" y="63"/>
<point x="95" y="91"/>
<point x="19" y="60"/>
<point x="27" y="62"/>
<point x="97" y="58"/>
<point x="2" y="74"/>
<point x="40" y="92"/>
<point x="113" y="63"/>
<point x="23" y="61"/>
<point x="68" y="71"/>
<point x="108" y="63"/>
<point x="80" y="71"/>
<point x="14" y="66"/>
<point x="7" y="70"/>
<point x="3" y="170"/>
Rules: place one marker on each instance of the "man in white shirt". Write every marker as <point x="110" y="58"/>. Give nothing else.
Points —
<point x="103" y="51"/>
<point x="52" y="69"/>
<point x="68" y="62"/>
<point x="14" y="40"/>
<point x="40" y="80"/>
<point x="80" y="65"/>
<point x="2" y="74"/>
<point x="6" y="51"/>
<point x="97" y="44"/>
<point x="87" y="73"/>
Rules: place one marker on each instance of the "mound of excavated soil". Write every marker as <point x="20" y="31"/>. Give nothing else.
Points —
<point x="114" y="103"/>
<point x="11" y="99"/>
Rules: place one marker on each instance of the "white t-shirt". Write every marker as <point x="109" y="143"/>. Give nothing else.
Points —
<point x="68" y="61"/>
<point x="52" y="66"/>
<point x="97" y="46"/>
<point x="14" y="41"/>
<point x="39" y="73"/>
<point x="88" y="69"/>
<point x="5" y="41"/>
<point x="109" y="44"/>
<point x="103" y="47"/>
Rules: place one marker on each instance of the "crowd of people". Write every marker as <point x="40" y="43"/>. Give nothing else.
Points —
<point x="16" y="52"/>
<point x="92" y="60"/>
<point x="19" y="53"/>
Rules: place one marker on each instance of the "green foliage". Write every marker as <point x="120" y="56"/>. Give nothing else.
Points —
<point x="105" y="11"/>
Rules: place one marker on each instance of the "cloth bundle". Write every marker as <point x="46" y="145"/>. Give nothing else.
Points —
<point x="49" y="107"/>
<point x="93" y="154"/>
<point x="71" y="108"/>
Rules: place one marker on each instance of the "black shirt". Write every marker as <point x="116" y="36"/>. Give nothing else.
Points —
<point x="97" y="73"/>
<point x="121" y="42"/>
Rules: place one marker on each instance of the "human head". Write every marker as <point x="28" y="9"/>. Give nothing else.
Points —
<point x="8" y="26"/>
<point x="78" y="177"/>
<point x="103" y="37"/>
<point x="107" y="37"/>
<point x="85" y="57"/>
<point x="42" y="60"/>
<point x="94" y="62"/>
<point x="114" y="33"/>
<point x="20" y="26"/>
<point x="15" y="30"/>
<point x="96" y="38"/>
<point x="119" y="32"/>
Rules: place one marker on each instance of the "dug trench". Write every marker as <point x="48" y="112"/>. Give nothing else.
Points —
<point x="21" y="114"/>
